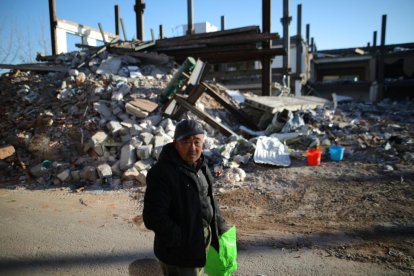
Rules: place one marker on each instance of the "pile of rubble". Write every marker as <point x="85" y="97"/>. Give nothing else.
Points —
<point x="104" y="124"/>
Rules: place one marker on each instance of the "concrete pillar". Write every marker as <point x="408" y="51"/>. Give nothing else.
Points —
<point x="286" y="40"/>
<point x="266" y="61"/>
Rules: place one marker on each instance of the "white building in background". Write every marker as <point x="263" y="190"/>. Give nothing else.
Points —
<point x="203" y="27"/>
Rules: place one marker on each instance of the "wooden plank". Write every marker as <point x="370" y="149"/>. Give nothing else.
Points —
<point x="203" y="116"/>
<point x="239" y="115"/>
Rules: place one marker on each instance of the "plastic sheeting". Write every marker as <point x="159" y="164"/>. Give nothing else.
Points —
<point x="269" y="150"/>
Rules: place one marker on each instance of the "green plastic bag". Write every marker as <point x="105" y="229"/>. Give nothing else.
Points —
<point x="225" y="263"/>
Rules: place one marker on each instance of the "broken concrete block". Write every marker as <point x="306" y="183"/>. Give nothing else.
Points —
<point x="135" y="129"/>
<point x="103" y="110"/>
<point x="124" y="117"/>
<point x="99" y="150"/>
<point x="75" y="175"/>
<point x="64" y="176"/>
<point x="88" y="173"/>
<point x="114" y="126"/>
<point x="110" y="65"/>
<point x="144" y="105"/>
<point x="142" y="177"/>
<point x="146" y="137"/>
<point x="98" y="138"/>
<point x="80" y="79"/>
<point x="115" y="169"/>
<point x="144" y="164"/>
<point x="128" y="157"/>
<point x="37" y="170"/>
<point x="131" y="173"/>
<point x="6" y="151"/>
<point x="135" y="142"/>
<point x="73" y="72"/>
<point x="126" y="138"/>
<point x="159" y="141"/>
<point x="144" y="152"/>
<point x="137" y="112"/>
<point x="117" y="110"/>
<point x="155" y="119"/>
<point x="104" y="170"/>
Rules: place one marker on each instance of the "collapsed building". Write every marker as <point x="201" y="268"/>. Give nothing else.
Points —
<point x="100" y="116"/>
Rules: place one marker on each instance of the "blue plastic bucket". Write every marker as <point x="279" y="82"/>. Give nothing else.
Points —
<point x="336" y="153"/>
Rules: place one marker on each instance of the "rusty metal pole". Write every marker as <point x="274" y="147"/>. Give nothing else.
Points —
<point x="117" y="29"/>
<point x="381" y="58"/>
<point x="53" y="23"/>
<point x="139" y="12"/>
<point x="286" y="40"/>
<point x="266" y="61"/>
<point x="190" y="26"/>
<point x="223" y="20"/>
<point x="299" y="43"/>
<point x="161" y="32"/>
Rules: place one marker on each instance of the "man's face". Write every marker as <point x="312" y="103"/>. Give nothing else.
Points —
<point x="190" y="148"/>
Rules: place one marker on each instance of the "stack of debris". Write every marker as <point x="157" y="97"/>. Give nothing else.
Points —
<point x="105" y="120"/>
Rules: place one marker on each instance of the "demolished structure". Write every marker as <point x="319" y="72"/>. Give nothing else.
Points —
<point x="100" y="116"/>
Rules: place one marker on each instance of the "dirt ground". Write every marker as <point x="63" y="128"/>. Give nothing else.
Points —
<point x="343" y="215"/>
<point x="351" y="210"/>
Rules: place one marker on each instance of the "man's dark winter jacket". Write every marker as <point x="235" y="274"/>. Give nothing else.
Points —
<point x="172" y="210"/>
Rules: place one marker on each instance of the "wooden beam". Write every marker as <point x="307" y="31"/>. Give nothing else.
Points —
<point x="239" y="115"/>
<point x="203" y="116"/>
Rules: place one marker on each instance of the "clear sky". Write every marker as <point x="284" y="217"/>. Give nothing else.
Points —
<point x="333" y="23"/>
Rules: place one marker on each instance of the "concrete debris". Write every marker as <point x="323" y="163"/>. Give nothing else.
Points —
<point x="6" y="151"/>
<point x="104" y="123"/>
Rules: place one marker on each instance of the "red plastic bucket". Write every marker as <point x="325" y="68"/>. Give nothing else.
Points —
<point x="314" y="157"/>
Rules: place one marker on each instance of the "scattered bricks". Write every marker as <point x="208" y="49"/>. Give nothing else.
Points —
<point x="123" y="117"/>
<point x="144" y="164"/>
<point x="6" y="151"/>
<point x="115" y="169"/>
<point x="142" y="177"/>
<point x="159" y="141"/>
<point x="88" y="173"/>
<point x="80" y="79"/>
<point x="64" y="176"/>
<point x="98" y="138"/>
<point x="128" y="157"/>
<point x="168" y="125"/>
<point x="73" y="72"/>
<point x="103" y="110"/>
<point x="135" y="142"/>
<point x="104" y="170"/>
<point x="126" y="138"/>
<point x="99" y="150"/>
<point x="136" y="111"/>
<point x="117" y="110"/>
<point x="144" y="105"/>
<point x="117" y="96"/>
<point x="129" y="174"/>
<point x="114" y="126"/>
<point x="146" y="137"/>
<point x="38" y="170"/>
<point x="75" y="175"/>
<point x="135" y="129"/>
<point x="144" y="152"/>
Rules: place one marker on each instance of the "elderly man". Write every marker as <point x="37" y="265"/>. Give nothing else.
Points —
<point x="179" y="205"/>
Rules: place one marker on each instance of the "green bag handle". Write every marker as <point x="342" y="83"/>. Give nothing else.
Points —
<point x="225" y="263"/>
